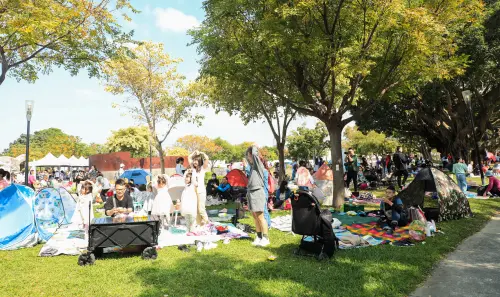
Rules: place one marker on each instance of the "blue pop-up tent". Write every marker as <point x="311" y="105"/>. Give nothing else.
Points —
<point x="17" y="222"/>
<point x="138" y="175"/>
<point x="26" y="218"/>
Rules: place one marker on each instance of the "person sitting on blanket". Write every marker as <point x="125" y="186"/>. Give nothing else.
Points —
<point x="393" y="211"/>
<point x="121" y="202"/>
<point x="224" y="190"/>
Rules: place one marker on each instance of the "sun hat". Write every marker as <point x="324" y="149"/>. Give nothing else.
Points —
<point x="488" y="173"/>
<point x="122" y="165"/>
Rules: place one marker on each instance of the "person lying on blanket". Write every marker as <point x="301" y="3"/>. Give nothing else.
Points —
<point x="393" y="212"/>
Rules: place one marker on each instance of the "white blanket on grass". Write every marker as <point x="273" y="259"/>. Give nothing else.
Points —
<point x="67" y="240"/>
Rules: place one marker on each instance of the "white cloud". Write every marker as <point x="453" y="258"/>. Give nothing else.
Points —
<point x="170" y="19"/>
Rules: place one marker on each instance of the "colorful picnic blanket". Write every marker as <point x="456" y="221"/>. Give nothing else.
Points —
<point x="376" y="232"/>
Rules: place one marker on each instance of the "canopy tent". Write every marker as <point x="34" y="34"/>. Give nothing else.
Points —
<point x="16" y="218"/>
<point x="63" y="161"/>
<point x="323" y="179"/>
<point x="453" y="203"/>
<point x="48" y="161"/>
<point x="11" y="164"/>
<point x="237" y="178"/>
<point x="82" y="162"/>
<point x="74" y="161"/>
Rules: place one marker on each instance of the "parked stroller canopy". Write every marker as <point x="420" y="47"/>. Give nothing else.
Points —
<point x="17" y="225"/>
<point x="453" y="203"/>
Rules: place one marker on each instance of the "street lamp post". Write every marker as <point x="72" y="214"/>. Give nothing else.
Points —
<point x="467" y="98"/>
<point x="150" y="158"/>
<point x="29" y="112"/>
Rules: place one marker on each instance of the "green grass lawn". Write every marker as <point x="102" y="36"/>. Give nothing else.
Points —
<point x="238" y="269"/>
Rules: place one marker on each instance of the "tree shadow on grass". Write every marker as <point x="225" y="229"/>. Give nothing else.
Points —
<point x="218" y="274"/>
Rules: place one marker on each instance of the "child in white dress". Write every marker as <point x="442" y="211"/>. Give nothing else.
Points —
<point x="189" y="202"/>
<point x="162" y="205"/>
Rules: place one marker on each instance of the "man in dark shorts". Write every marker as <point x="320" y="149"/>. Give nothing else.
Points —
<point x="401" y="162"/>
<point x="120" y="202"/>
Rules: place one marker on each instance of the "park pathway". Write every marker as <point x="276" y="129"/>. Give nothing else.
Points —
<point x="473" y="269"/>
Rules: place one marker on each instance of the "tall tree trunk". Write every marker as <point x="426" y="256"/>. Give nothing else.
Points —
<point x="161" y="155"/>
<point x="335" y="127"/>
<point x="281" y="154"/>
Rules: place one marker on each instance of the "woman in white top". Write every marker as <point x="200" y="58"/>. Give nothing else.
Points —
<point x="162" y="205"/>
<point x="199" y="164"/>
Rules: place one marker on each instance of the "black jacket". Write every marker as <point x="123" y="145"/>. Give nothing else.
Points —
<point x="400" y="161"/>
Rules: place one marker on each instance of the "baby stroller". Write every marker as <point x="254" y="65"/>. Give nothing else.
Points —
<point x="315" y="226"/>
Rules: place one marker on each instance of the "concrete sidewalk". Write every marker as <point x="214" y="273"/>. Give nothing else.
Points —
<point x="473" y="269"/>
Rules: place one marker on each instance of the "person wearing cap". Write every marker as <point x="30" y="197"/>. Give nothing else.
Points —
<point x="493" y="185"/>
<point x="120" y="171"/>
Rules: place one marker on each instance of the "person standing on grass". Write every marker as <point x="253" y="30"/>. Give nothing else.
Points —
<point x="162" y="205"/>
<point x="189" y="202"/>
<point x="199" y="164"/>
<point x="401" y="162"/>
<point x="256" y="196"/>
<point x="460" y="170"/>
<point x="351" y="163"/>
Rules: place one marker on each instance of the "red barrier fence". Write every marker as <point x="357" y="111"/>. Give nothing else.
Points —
<point x="111" y="162"/>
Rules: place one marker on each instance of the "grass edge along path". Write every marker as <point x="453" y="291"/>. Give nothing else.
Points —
<point x="239" y="269"/>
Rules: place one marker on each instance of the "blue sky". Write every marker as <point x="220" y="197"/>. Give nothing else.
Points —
<point x="80" y="106"/>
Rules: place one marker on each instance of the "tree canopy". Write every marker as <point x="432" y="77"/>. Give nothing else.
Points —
<point x="333" y="57"/>
<point x="305" y="143"/>
<point x="369" y="143"/>
<point x="437" y="112"/>
<point x="199" y="143"/>
<point x="53" y="141"/>
<point x="36" y="36"/>
<point x="132" y="139"/>
<point x="157" y="95"/>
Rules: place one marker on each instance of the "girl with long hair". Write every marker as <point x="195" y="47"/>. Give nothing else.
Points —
<point x="199" y="164"/>
<point x="189" y="202"/>
<point x="256" y="196"/>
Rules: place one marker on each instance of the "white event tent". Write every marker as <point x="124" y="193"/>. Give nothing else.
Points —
<point x="51" y="161"/>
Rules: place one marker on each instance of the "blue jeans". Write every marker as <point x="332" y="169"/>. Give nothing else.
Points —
<point x="462" y="182"/>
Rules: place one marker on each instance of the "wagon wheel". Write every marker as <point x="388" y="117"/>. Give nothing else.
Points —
<point x="149" y="253"/>
<point x="322" y="256"/>
<point x="86" y="259"/>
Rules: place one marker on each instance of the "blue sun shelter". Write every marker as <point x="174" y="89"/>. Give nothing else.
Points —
<point x="52" y="208"/>
<point x="138" y="175"/>
<point x="17" y="224"/>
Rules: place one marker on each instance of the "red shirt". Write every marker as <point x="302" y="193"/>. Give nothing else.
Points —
<point x="493" y="184"/>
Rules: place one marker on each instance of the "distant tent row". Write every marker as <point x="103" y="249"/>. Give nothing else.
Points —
<point x="50" y="161"/>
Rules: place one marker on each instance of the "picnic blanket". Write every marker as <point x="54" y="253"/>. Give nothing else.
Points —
<point x="349" y="220"/>
<point x="178" y="235"/>
<point x="67" y="240"/>
<point x="378" y="233"/>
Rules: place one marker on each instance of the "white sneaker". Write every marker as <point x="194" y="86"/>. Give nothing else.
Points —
<point x="256" y="242"/>
<point x="264" y="242"/>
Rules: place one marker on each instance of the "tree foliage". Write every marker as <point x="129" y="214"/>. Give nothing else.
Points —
<point x="36" y="36"/>
<point x="157" y="95"/>
<point x="199" y="143"/>
<point x="368" y="143"/>
<point x="176" y="151"/>
<point x="132" y="139"/>
<point x="334" y="56"/>
<point x="53" y="141"/>
<point x="305" y="143"/>
<point x="437" y="112"/>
